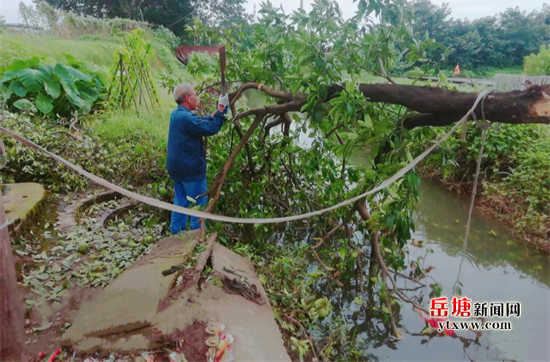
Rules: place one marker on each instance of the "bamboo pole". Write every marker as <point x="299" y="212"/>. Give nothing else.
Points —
<point x="130" y="84"/>
<point x="122" y="95"/>
<point x="112" y="82"/>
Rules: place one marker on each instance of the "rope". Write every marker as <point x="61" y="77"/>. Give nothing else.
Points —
<point x="456" y="286"/>
<point x="209" y="216"/>
<point x="6" y="223"/>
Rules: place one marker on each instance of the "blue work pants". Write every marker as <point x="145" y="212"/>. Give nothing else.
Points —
<point x="182" y="189"/>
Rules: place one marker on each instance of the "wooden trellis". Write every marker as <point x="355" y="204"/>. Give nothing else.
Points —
<point x="132" y="82"/>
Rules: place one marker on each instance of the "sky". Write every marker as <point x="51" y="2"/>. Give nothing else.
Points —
<point x="471" y="9"/>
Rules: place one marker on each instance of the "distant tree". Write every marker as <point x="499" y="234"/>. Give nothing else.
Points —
<point x="172" y="14"/>
<point x="221" y="12"/>
<point x="523" y="33"/>
<point x="429" y="18"/>
<point x="167" y="13"/>
<point x="502" y="40"/>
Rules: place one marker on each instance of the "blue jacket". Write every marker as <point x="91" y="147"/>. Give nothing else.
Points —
<point x="186" y="153"/>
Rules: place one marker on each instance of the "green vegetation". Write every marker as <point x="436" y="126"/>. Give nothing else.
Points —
<point x="98" y="50"/>
<point x="352" y="145"/>
<point x="538" y="64"/>
<point x="499" y="41"/>
<point x="58" y="90"/>
<point x="167" y="13"/>
<point x="515" y="177"/>
<point x="83" y="148"/>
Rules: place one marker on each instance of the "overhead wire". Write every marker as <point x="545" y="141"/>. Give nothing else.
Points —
<point x="216" y="217"/>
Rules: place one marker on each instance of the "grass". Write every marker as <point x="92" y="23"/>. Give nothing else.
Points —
<point x="120" y="124"/>
<point x="114" y="124"/>
<point x="95" y="50"/>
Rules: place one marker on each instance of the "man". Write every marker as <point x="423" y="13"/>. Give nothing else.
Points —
<point x="186" y="153"/>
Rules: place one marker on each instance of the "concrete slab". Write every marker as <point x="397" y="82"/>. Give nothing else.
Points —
<point x="20" y="199"/>
<point x="123" y="318"/>
<point x="257" y="336"/>
<point x="127" y="306"/>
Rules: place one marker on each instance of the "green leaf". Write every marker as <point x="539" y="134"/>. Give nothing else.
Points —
<point x="18" y="88"/>
<point x="24" y="64"/>
<point x="44" y="103"/>
<point x="8" y="76"/>
<point x="23" y="104"/>
<point x="53" y="87"/>
<point x="415" y="73"/>
<point x="32" y="79"/>
<point x="368" y="120"/>
<point x="76" y="74"/>
<point x="73" y="97"/>
<point x="42" y="328"/>
<point x="66" y="80"/>
<point x="369" y="174"/>
<point x="350" y="109"/>
<point x="43" y="276"/>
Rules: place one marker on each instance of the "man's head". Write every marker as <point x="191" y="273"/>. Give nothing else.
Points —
<point x="185" y="95"/>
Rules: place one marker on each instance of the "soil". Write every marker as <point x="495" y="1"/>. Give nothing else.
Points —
<point x="175" y="292"/>
<point x="58" y="314"/>
<point x="191" y="342"/>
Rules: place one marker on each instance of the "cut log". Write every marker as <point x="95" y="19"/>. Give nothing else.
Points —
<point x="435" y="106"/>
<point x="441" y="107"/>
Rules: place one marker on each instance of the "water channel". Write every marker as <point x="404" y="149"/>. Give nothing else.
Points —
<point x="497" y="268"/>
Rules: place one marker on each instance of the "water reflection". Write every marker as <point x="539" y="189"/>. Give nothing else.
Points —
<point x="497" y="268"/>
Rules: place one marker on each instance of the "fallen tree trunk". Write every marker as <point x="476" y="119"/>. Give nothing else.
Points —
<point x="435" y="106"/>
<point x="441" y="107"/>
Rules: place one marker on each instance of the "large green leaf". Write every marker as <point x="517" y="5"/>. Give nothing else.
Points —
<point x="24" y="64"/>
<point x="23" y="104"/>
<point x="44" y="103"/>
<point x="61" y="71"/>
<point x="69" y="74"/>
<point x="18" y="88"/>
<point x="53" y="87"/>
<point x="74" y="98"/>
<point x="32" y="79"/>
<point x="87" y="92"/>
<point x="46" y="69"/>
<point x="7" y="76"/>
<point x="78" y="75"/>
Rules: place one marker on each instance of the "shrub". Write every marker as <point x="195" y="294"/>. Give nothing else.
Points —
<point x="136" y="157"/>
<point x="538" y="64"/>
<point x="53" y="90"/>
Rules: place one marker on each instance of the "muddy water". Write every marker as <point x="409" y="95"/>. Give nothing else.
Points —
<point x="496" y="268"/>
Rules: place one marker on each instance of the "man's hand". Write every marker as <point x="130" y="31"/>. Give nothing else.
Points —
<point x="224" y="100"/>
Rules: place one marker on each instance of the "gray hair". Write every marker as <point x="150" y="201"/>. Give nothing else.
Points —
<point x="181" y="91"/>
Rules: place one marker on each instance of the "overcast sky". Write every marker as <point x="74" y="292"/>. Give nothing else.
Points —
<point x="471" y="9"/>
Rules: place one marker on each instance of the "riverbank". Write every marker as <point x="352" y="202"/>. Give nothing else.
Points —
<point x="514" y="182"/>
